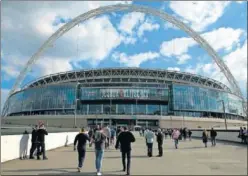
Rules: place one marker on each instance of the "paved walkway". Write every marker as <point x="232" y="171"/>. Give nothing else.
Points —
<point x="190" y="159"/>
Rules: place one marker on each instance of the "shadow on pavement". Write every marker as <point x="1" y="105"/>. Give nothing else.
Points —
<point x="202" y="147"/>
<point x="135" y="156"/>
<point x="79" y="173"/>
<point x="40" y="170"/>
<point x="71" y="173"/>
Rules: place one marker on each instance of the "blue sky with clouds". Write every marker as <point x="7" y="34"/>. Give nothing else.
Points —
<point x="123" y="39"/>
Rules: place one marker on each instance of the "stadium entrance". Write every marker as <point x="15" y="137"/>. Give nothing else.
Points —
<point x="123" y="122"/>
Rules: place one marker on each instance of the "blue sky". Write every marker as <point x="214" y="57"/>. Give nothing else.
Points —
<point x="122" y="39"/>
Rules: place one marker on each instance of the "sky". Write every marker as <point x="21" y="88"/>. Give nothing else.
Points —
<point x="122" y="39"/>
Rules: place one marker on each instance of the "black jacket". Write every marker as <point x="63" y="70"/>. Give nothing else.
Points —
<point x="160" y="138"/>
<point x="82" y="139"/>
<point x="213" y="133"/>
<point x="34" y="136"/>
<point x="125" y="138"/>
<point x="41" y="135"/>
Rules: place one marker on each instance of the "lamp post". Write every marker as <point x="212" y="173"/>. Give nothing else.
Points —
<point x="224" y="111"/>
<point x="63" y="105"/>
<point x="75" y="113"/>
<point x="181" y="107"/>
<point x="76" y="99"/>
<point x="31" y="106"/>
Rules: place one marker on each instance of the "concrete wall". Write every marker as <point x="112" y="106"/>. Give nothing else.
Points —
<point x="49" y="120"/>
<point x="14" y="146"/>
<point x="195" y="123"/>
<point x="164" y="121"/>
<point x="221" y="135"/>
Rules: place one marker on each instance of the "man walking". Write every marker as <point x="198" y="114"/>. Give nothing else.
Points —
<point x="125" y="138"/>
<point x="107" y="133"/>
<point x="160" y="138"/>
<point x="34" y="142"/>
<point x="149" y="139"/>
<point x="81" y="140"/>
<point x="41" y="132"/>
<point x="99" y="141"/>
<point x="213" y="135"/>
<point x="113" y="135"/>
<point x="190" y="133"/>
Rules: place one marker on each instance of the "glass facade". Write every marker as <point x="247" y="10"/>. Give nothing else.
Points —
<point x="43" y="98"/>
<point x="125" y="93"/>
<point x="190" y="98"/>
<point x="122" y="109"/>
<point x="174" y="99"/>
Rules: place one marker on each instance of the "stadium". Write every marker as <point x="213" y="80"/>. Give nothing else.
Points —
<point x="125" y="96"/>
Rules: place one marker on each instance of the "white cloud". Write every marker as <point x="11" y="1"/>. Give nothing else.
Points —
<point x="183" y="58"/>
<point x="128" y="40"/>
<point x="53" y="65"/>
<point x="221" y="38"/>
<point x="11" y="67"/>
<point x="147" y="26"/>
<point x="95" y="38"/>
<point x="4" y="95"/>
<point x="176" y="47"/>
<point x="101" y="39"/>
<point x="236" y="61"/>
<point x="134" y="60"/>
<point x="130" y="21"/>
<point x="173" y="68"/>
<point x="168" y="25"/>
<point x="200" y="14"/>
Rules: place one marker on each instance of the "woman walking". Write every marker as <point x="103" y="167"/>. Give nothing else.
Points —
<point x="205" y="137"/>
<point x="175" y="136"/>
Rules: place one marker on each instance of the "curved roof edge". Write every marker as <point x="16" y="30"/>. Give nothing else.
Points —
<point x="127" y="72"/>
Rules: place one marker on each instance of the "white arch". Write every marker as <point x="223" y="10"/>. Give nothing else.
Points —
<point x="126" y="7"/>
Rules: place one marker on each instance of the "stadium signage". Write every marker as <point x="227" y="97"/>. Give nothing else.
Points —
<point x="126" y="93"/>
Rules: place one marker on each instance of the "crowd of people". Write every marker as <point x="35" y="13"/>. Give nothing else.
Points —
<point x="103" y="138"/>
<point x="38" y="142"/>
<point x="243" y="135"/>
<point x="120" y="138"/>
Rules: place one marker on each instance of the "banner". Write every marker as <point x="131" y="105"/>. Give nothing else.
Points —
<point x="126" y="93"/>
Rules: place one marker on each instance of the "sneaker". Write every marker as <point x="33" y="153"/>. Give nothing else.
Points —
<point x="79" y="169"/>
<point x="45" y="158"/>
<point x="99" y="173"/>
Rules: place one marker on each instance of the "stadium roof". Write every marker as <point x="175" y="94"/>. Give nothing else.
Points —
<point x="127" y="75"/>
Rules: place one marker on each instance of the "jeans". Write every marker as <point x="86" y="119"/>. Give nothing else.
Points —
<point x="190" y="137"/>
<point x="160" y="149"/>
<point x="149" y="149"/>
<point x="176" y="143"/>
<point x="213" y="141"/>
<point x="33" y="147"/>
<point x="99" y="157"/>
<point x="81" y="157"/>
<point x="41" y="146"/>
<point x="107" y="143"/>
<point x="128" y="154"/>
